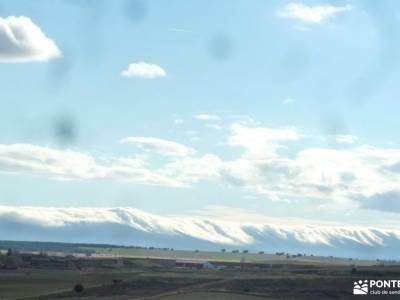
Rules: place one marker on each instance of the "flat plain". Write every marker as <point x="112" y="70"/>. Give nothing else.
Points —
<point x="120" y="273"/>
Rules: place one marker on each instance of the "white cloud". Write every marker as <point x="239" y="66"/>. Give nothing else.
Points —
<point x="339" y="178"/>
<point x="178" y="121"/>
<point x="206" y="117"/>
<point x="193" y="169"/>
<point x="31" y="159"/>
<point x="180" y="30"/>
<point x="311" y="14"/>
<point x="260" y="141"/>
<point x="144" y="70"/>
<point x="345" y="139"/>
<point x="351" y="177"/>
<point x="214" y="126"/>
<point x="160" y="146"/>
<point x="21" y="41"/>
<point x="71" y="165"/>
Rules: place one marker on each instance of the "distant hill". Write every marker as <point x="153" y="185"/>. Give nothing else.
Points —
<point x="128" y="226"/>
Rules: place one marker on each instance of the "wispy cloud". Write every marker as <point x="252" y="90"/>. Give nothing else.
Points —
<point x="21" y="41"/>
<point x="206" y="117"/>
<point x="311" y="14"/>
<point x="345" y="139"/>
<point x="178" y="121"/>
<point x="160" y="146"/>
<point x="144" y="70"/>
<point x="288" y="101"/>
<point x="214" y="126"/>
<point x="180" y="30"/>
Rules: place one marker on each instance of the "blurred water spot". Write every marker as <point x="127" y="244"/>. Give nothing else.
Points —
<point x="65" y="130"/>
<point x="360" y="91"/>
<point x="136" y="11"/>
<point x="333" y="124"/>
<point x="92" y="16"/>
<point x="221" y="47"/>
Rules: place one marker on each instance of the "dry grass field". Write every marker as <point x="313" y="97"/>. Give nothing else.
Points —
<point x="161" y="280"/>
<point x="117" y="273"/>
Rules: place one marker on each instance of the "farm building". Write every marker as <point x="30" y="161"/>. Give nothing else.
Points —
<point x="194" y="264"/>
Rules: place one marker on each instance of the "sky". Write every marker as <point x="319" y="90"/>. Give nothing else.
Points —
<point x="248" y="108"/>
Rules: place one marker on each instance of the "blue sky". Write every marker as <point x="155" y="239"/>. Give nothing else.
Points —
<point x="288" y="109"/>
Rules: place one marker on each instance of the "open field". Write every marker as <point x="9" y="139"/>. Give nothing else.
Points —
<point x="281" y="282"/>
<point x="16" y="284"/>
<point x="150" y="252"/>
<point x="160" y="279"/>
<point x="125" y="273"/>
<point x="222" y="256"/>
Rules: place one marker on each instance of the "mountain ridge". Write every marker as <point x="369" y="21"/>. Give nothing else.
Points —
<point x="130" y="226"/>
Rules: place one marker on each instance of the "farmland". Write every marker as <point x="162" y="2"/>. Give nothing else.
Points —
<point x="112" y="272"/>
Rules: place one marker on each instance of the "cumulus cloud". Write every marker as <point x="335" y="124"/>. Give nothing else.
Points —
<point x="21" y="41"/>
<point x="144" y="70"/>
<point x="160" y="146"/>
<point x="345" y="139"/>
<point x="71" y="165"/>
<point x="340" y="177"/>
<point x="260" y="141"/>
<point x="311" y="14"/>
<point x="206" y="117"/>
<point x="275" y="164"/>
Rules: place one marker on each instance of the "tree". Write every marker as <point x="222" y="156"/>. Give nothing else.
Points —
<point x="78" y="288"/>
<point x="223" y="250"/>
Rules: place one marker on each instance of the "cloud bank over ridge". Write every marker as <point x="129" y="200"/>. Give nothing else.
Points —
<point x="128" y="226"/>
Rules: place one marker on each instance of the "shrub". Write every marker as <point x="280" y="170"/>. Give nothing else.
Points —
<point x="78" y="288"/>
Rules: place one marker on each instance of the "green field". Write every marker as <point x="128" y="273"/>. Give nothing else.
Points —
<point x="17" y="284"/>
<point x="181" y="254"/>
<point x="138" y="252"/>
<point x="219" y="256"/>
